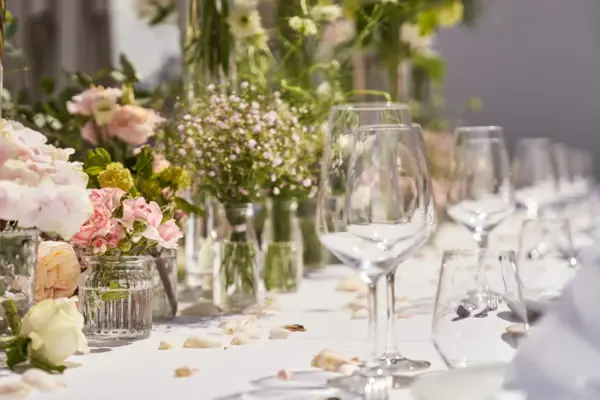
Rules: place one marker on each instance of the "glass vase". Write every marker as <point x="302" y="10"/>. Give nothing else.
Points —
<point x="314" y="254"/>
<point x="235" y="261"/>
<point x="115" y="297"/>
<point x="282" y="247"/>
<point x="163" y="275"/>
<point x="198" y="245"/>
<point x="18" y="259"/>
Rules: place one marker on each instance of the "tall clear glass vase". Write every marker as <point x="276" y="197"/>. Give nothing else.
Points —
<point x="236" y="254"/>
<point x="163" y="274"/>
<point x="282" y="247"/>
<point x="18" y="259"/>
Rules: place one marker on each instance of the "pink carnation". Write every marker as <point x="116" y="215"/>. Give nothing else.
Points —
<point x="169" y="234"/>
<point x="99" y="245"/>
<point x="109" y="198"/>
<point x="133" y="124"/>
<point x="138" y="209"/>
<point x="83" y="103"/>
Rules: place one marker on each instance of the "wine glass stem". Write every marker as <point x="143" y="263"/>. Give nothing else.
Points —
<point x="481" y="237"/>
<point x="390" y="344"/>
<point x="373" y="322"/>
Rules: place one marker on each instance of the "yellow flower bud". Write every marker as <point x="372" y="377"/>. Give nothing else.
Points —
<point x="116" y="176"/>
<point x="450" y="14"/>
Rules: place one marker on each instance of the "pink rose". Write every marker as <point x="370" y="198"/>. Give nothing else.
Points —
<point x="138" y="209"/>
<point x="133" y="124"/>
<point x="85" y="102"/>
<point x="88" y="133"/>
<point x="170" y="234"/>
<point x="99" y="245"/>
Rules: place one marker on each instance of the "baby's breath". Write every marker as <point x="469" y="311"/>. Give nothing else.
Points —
<point x="246" y="144"/>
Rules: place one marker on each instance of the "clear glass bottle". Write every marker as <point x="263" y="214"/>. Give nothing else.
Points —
<point x="115" y="297"/>
<point x="282" y="247"/>
<point x="235" y="257"/>
<point x="163" y="274"/>
<point x="18" y="259"/>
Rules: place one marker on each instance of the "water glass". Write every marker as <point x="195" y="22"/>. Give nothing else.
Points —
<point x="470" y="330"/>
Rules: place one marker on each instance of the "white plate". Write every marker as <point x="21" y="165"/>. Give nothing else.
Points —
<point x="473" y="383"/>
<point x="302" y="379"/>
<point x="294" y="394"/>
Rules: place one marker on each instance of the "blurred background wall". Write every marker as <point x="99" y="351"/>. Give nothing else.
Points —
<point x="533" y="63"/>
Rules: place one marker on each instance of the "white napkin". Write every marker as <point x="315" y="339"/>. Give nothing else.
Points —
<point x="561" y="358"/>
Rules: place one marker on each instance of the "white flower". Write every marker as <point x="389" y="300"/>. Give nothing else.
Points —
<point x="10" y="200"/>
<point x="57" y="154"/>
<point x="324" y="90"/>
<point x="411" y="35"/>
<point x="244" y="20"/>
<point x="17" y="171"/>
<point x="326" y="13"/>
<point x="56" y="209"/>
<point x="69" y="174"/>
<point x="55" y="329"/>
<point x="305" y="26"/>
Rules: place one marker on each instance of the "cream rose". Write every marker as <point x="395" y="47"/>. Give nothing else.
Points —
<point x="55" y="329"/>
<point x="57" y="271"/>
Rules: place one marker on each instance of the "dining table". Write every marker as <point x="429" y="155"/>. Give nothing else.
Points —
<point x="140" y="370"/>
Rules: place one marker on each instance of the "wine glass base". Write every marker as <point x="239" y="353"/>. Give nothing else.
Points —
<point x="395" y="363"/>
<point x="361" y="383"/>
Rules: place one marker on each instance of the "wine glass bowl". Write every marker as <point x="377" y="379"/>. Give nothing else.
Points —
<point x="480" y="192"/>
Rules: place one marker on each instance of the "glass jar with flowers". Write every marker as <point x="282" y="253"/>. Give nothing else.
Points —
<point x="115" y="292"/>
<point x="158" y="182"/>
<point x="40" y="191"/>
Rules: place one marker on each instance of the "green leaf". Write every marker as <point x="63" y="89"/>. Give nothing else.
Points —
<point x="12" y="26"/>
<point x="82" y="79"/>
<point x="187" y="207"/>
<point x="98" y="158"/>
<point x="17" y="354"/>
<point x="143" y="163"/>
<point x="128" y="69"/>
<point x="38" y="361"/>
<point x="94" y="171"/>
<point x="162" y="13"/>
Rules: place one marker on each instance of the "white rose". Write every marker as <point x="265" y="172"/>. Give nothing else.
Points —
<point x="55" y="329"/>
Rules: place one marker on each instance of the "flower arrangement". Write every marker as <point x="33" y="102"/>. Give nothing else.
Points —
<point x="39" y="187"/>
<point x="122" y="225"/>
<point x="48" y="334"/>
<point x="111" y="119"/>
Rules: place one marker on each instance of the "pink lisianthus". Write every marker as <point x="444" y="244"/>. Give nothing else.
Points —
<point x="88" y="133"/>
<point x="169" y="234"/>
<point x="133" y="124"/>
<point x="85" y="102"/>
<point x="138" y="209"/>
<point x="99" y="245"/>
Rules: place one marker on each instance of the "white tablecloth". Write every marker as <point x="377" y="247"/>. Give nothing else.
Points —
<point x="140" y="371"/>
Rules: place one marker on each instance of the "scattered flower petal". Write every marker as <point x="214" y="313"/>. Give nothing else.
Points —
<point x="362" y="313"/>
<point x="184" y="372"/>
<point x="15" y="390"/>
<point x="294" y="328"/>
<point x="350" y="284"/>
<point x="237" y="324"/>
<point x="199" y="342"/>
<point x="42" y="380"/>
<point x="285" y="375"/>
<point x="348" y="369"/>
<point x="279" y="333"/>
<point x="240" y="340"/>
<point x="164" y="345"/>
<point x="329" y="361"/>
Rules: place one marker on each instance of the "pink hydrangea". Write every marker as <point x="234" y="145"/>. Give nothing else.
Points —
<point x="133" y="124"/>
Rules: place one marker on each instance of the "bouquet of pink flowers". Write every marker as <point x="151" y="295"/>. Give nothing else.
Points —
<point x="111" y="113"/>
<point x="39" y="187"/>
<point x="122" y="225"/>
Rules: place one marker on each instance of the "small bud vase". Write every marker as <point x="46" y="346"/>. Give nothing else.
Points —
<point x="163" y="274"/>
<point x="282" y="247"/>
<point x="18" y="259"/>
<point x="235" y="257"/>
<point x="115" y="297"/>
<point x="314" y="254"/>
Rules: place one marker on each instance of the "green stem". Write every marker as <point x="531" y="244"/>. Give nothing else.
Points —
<point x="12" y="316"/>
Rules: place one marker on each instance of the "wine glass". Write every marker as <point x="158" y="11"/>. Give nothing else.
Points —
<point x="393" y="360"/>
<point x="481" y="193"/>
<point x="372" y="208"/>
<point x="468" y="332"/>
<point x="533" y="175"/>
